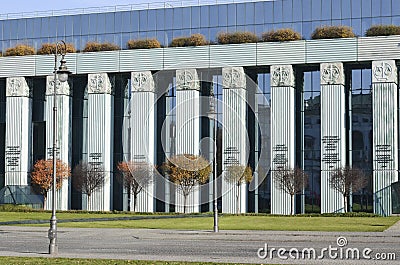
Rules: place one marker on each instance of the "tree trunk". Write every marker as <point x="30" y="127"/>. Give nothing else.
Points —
<point x="44" y="201"/>
<point x="184" y="203"/>
<point x="292" y="204"/>
<point x="237" y="199"/>
<point x="134" y="202"/>
<point x="88" y="202"/>
<point x="345" y="203"/>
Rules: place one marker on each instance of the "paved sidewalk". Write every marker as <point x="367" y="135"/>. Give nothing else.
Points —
<point x="202" y="246"/>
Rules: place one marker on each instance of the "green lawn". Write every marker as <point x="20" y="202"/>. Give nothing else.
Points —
<point x="61" y="261"/>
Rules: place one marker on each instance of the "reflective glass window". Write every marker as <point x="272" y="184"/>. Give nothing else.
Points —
<point x="288" y="10"/>
<point x="30" y="28"/>
<point x="259" y="13"/>
<point x="356" y="25"/>
<point x="152" y="20"/>
<point x="316" y="9"/>
<point x="214" y="16"/>
<point x="231" y="15"/>
<point x="143" y="20"/>
<point x="326" y="9"/>
<point x="186" y="17"/>
<point x="84" y="24"/>
<point x="366" y="8"/>
<point x="178" y="18"/>
<point x="278" y="11"/>
<point x="297" y="14"/>
<point x="101" y="24"/>
<point x="134" y="21"/>
<point x="306" y="10"/>
<point x="44" y="27"/>
<point x="250" y="13"/>
<point x="241" y="14"/>
<point x="77" y="26"/>
<point x="52" y="26"/>
<point x="365" y="24"/>
<point x="376" y="20"/>
<point x="395" y="7"/>
<point x="110" y="21"/>
<point x="307" y="30"/>
<point x="195" y="17"/>
<point x="37" y="25"/>
<point x="93" y="23"/>
<point x="376" y="8"/>
<point x="61" y="26"/>
<point x="21" y="28"/>
<point x="68" y="25"/>
<point x="336" y="10"/>
<point x="346" y="9"/>
<point x="396" y="20"/>
<point x="386" y="20"/>
<point x="168" y="18"/>
<point x="125" y="37"/>
<point x="356" y="8"/>
<point x="160" y="19"/>
<point x="205" y="16"/>
<point x="387" y="7"/>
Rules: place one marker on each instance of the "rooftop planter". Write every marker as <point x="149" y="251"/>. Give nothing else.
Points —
<point x="280" y="35"/>
<point x="50" y="48"/>
<point x="382" y="30"/>
<point x="97" y="47"/>
<point x="237" y="37"/>
<point x="193" y="40"/>
<point x="143" y="44"/>
<point x="332" y="32"/>
<point x="20" y="50"/>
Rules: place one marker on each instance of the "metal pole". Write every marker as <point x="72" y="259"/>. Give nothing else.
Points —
<point x="53" y="248"/>
<point x="215" y="172"/>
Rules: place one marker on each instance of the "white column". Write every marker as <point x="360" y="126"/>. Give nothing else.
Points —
<point x="100" y="136"/>
<point x="187" y="128"/>
<point x="234" y="135"/>
<point x="333" y="133"/>
<point x="64" y="122"/>
<point x="283" y="128"/>
<point x="18" y="131"/>
<point x="143" y="132"/>
<point x="385" y="133"/>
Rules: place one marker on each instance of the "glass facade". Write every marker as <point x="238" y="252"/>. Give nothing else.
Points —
<point x="168" y="23"/>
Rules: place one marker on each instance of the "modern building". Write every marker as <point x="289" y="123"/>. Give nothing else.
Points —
<point x="317" y="104"/>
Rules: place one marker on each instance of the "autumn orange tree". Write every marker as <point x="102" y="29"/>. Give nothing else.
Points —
<point x="238" y="175"/>
<point x="186" y="171"/>
<point x="135" y="176"/>
<point x="42" y="175"/>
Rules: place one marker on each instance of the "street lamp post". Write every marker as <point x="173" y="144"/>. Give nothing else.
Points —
<point x="61" y="75"/>
<point x="213" y="115"/>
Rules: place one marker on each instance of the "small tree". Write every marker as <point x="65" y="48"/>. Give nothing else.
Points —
<point x="42" y="175"/>
<point x="20" y="50"/>
<point x="143" y="44"/>
<point x="292" y="182"/>
<point x="50" y="48"/>
<point x="186" y="171"/>
<point x="238" y="175"/>
<point x="347" y="180"/>
<point x="236" y="37"/>
<point x="332" y="32"/>
<point x="281" y="35"/>
<point x="135" y="176"/>
<point x="88" y="178"/>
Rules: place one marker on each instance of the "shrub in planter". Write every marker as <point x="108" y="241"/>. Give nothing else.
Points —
<point x="194" y="40"/>
<point x="20" y="50"/>
<point x="96" y="47"/>
<point x="281" y="35"/>
<point x="332" y="32"/>
<point x="383" y="30"/>
<point x="143" y="44"/>
<point x="50" y="48"/>
<point x="236" y="37"/>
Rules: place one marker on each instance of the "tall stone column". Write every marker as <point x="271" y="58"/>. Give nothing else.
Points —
<point x="385" y="133"/>
<point x="64" y="122"/>
<point x="143" y="132"/>
<point x="18" y="131"/>
<point x="283" y="147"/>
<point x="333" y="133"/>
<point x="234" y="135"/>
<point x="100" y="137"/>
<point x="187" y="128"/>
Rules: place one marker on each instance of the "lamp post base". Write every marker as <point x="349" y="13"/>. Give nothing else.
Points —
<point x="53" y="249"/>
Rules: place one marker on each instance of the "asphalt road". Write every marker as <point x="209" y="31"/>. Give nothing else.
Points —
<point x="226" y="246"/>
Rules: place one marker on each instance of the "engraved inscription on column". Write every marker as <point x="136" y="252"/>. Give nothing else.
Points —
<point x="232" y="153"/>
<point x="280" y="158"/>
<point x="383" y="155"/>
<point x="12" y="157"/>
<point x="330" y="155"/>
<point x="95" y="159"/>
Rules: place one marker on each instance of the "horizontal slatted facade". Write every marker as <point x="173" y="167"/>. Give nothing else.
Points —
<point x="281" y="53"/>
<point x="187" y="57"/>
<point x="332" y="50"/>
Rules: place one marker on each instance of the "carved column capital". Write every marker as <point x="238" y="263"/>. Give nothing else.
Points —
<point x="99" y="84"/>
<point x="384" y="71"/>
<point x="332" y="74"/>
<point x="187" y="79"/>
<point x="17" y="87"/>
<point x="282" y="76"/>
<point x="142" y="82"/>
<point x="233" y="77"/>
<point x="62" y="88"/>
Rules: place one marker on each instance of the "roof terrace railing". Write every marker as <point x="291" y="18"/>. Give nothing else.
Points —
<point x="118" y="8"/>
